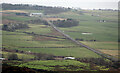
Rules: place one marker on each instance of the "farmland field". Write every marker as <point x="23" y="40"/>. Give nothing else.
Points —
<point x="39" y="45"/>
<point x="25" y="42"/>
<point x="20" y="56"/>
<point x="65" y="65"/>
<point x="105" y="33"/>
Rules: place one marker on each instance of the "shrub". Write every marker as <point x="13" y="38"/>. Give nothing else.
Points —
<point x="12" y="57"/>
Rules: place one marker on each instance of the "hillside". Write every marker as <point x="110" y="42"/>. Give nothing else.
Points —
<point x="29" y="41"/>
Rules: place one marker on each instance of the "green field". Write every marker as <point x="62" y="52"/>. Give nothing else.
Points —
<point x="42" y="46"/>
<point x="19" y="41"/>
<point x="16" y="18"/>
<point x="103" y="32"/>
<point x="64" y="65"/>
<point x="20" y="56"/>
<point x="54" y="65"/>
<point x="89" y="21"/>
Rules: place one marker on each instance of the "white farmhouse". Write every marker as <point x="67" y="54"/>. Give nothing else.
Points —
<point x="2" y="58"/>
<point x="36" y="14"/>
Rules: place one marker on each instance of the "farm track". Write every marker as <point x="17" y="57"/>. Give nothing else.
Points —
<point x="83" y="45"/>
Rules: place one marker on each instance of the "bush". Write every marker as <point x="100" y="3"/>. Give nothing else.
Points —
<point x="41" y="56"/>
<point x="12" y="57"/>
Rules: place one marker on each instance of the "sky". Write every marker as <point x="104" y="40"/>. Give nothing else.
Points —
<point x="28" y="1"/>
<point x="112" y="4"/>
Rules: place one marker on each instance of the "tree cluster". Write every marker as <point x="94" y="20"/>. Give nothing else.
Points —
<point x="42" y="56"/>
<point x="14" y="26"/>
<point x="66" y="23"/>
<point x="38" y="21"/>
<point x="97" y="61"/>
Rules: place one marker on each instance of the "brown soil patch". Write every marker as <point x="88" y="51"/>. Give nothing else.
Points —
<point x="55" y="33"/>
<point x="5" y="21"/>
<point x="110" y="52"/>
<point x="54" y="19"/>
<point x="19" y="11"/>
<point x="43" y="38"/>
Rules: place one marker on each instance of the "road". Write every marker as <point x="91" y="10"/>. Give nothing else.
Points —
<point x="83" y="45"/>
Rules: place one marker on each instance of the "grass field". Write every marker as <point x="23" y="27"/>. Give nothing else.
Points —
<point x="18" y="18"/>
<point x="39" y="38"/>
<point x="36" y="43"/>
<point x="20" y="56"/>
<point x="19" y="41"/>
<point x="37" y="29"/>
<point x="63" y="65"/>
<point x="54" y="65"/>
<point x="105" y="33"/>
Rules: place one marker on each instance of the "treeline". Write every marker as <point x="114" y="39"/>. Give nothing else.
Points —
<point x="100" y="61"/>
<point x="43" y="56"/>
<point x="14" y="26"/>
<point x="37" y="56"/>
<point x="38" y="21"/>
<point x="66" y="23"/>
<point x="47" y="10"/>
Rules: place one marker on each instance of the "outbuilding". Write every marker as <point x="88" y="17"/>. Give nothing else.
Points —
<point x="2" y="58"/>
<point x="36" y="14"/>
<point x="69" y="58"/>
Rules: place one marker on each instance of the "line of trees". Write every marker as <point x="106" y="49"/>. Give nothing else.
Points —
<point x="38" y="21"/>
<point x="14" y="26"/>
<point x="66" y="23"/>
<point x="47" y="10"/>
<point x="43" y="56"/>
<point x="100" y="61"/>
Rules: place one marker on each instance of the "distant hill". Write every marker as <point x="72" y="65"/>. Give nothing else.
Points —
<point x="47" y="10"/>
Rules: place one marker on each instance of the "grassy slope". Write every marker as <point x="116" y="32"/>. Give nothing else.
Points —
<point x="18" y="18"/>
<point x="23" y="40"/>
<point x="103" y="32"/>
<point x="63" y="65"/>
<point x="17" y="41"/>
<point x="50" y="65"/>
<point x="20" y="56"/>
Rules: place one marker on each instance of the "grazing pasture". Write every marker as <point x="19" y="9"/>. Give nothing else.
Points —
<point x="43" y="39"/>
<point x="43" y="44"/>
<point x="104" y="34"/>
<point x="62" y="65"/>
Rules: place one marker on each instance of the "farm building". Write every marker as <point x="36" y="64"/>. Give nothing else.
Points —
<point x="2" y="58"/>
<point x="70" y="58"/>
<point x="36" y="14"/>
